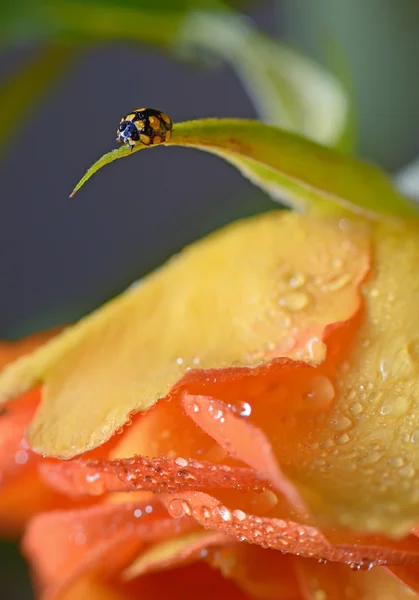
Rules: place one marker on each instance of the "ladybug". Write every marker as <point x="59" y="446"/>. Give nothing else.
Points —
<point x="147" y="126"/>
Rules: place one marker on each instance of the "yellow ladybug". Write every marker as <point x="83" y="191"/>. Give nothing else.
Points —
<point x="146" y="125"/>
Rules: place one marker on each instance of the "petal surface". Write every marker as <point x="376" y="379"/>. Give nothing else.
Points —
<point x="142" y="473"/>
<point x="338" y="582"/>
<point x="284" y="534"/>
<point x="272" y="284"/>
<point x="175" y="552"/>
<point x="363" y="461"/>
<point x="98" y="541"/>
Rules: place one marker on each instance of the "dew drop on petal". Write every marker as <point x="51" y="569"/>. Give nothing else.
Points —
<point x="321" y="392"/>
<point x="356" y="409"/>
<point x="21" y="457"/>
<point x="396" y="407"/>
<point x="201" y="513"/>
<point x="296" y="280"/>
<point x="407" y="472"/>
<point x="176" y="508"/>
<point x="337" y="283"/>
<point x="295" y="301"/>
<point x="238" y="515"/>
<point x="181" y="462"/>
<point x="341" y="423"/>
<point x="224" y="513"/>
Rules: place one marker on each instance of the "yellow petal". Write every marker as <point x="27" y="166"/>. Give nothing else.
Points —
<point x="261" y="288"/>
<point x="364" y="463"/>
<point x="189" y="547"/>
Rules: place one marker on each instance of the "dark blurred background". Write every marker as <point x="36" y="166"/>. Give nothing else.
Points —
<point x="60" y="258"/>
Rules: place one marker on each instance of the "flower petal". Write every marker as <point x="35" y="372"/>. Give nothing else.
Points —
<point x="100" y="540"/>
<point x="338" y="582"/>
<point x="283" y="534"/>
<point x="363" y="462"/>
<point x="175" y="552"/>
<point x="14" y="419"/>
<point x="272" y="284"/>
<point x="263" y="574"/>
<point x="142" y="473"/>
<point x="244" y="441"/>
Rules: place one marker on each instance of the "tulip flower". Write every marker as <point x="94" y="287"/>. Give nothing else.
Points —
<point x="244" y="422"/>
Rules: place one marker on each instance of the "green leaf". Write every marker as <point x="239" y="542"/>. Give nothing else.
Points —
<point x="288" y="89"/>
<point x="20" y="94"/>
<point x="290" y="168"/>
<point x="138" y="20"/>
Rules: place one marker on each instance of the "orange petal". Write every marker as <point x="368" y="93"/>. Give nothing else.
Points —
<point x="261" y="573"/>
<point x="178" y="551"/>
<point x="142" y="473"/>
<point x="337" y="582"/>
<point x="242" y="440"/>
<point x="24" y="497"/>
<point x="272" y="285"/>
<point x="91" y="588"/>
<point x="101" y="540"/>
<point x="14" y="451"/>
<point x="184" y="583"/>
<point x="280" y="534"/>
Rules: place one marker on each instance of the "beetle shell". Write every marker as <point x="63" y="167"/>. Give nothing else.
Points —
<point x="144" y="125"/>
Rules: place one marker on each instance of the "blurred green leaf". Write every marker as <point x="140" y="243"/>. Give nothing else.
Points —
<point x="20" y="94"/>
<point x="287" y="166"/>
<point x="143" y="20"/>
<point x="288" y="89"/>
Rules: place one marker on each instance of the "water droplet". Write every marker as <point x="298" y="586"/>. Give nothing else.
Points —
<point x="407" y="472"/>
<point x="179" y="360"/>
<point x="343" y="439"/>
<point x="148" y="509"/>
<point x="363" y="565"/>
<point x="383" y="369"/>
<point x="224" y="513"/>
<point x="296" y="280"/>
<point x="138" y="513"/>
<point x="201" y="513"/>
<point x="21" y="457"/>
<point x="295" y="301"/>
<point x="340" y="423"/>
<point x="91" y="478"/>
<point x="321" y="392"/>
<point x="238" y="515"/>
<point x="356" y="409"/>
<point x="396" y="461"/>
<point x="176" y="508"/>
<point x="414" y="438"/>
<point x="396" y="407"/>
<point x="181" y="462"/>
<point x="315" y="348"/>
<point x="242" y="408"/>
<point x="337" y="283"/>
